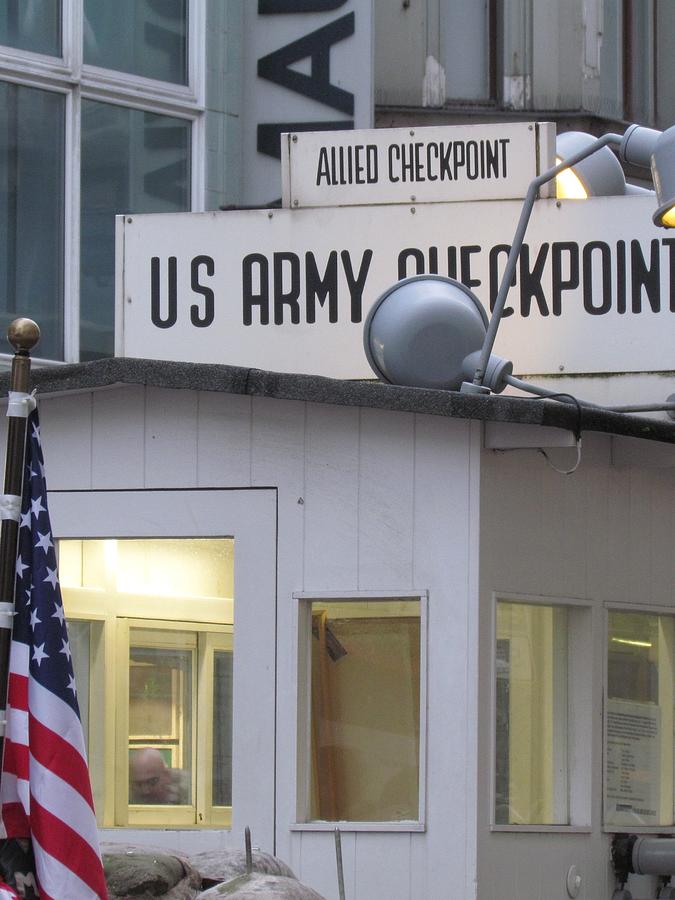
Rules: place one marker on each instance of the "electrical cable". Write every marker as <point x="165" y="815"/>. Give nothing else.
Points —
<point x="545" y="394"/>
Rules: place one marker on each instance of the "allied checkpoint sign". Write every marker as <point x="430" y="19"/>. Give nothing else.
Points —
<point x="414" y="165"/>
<point x="289" y="289"/>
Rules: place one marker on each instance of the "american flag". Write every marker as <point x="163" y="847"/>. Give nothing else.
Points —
<point x="45" y="793"/>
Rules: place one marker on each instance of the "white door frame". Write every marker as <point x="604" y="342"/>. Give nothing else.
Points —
<point x="250" y="516"/>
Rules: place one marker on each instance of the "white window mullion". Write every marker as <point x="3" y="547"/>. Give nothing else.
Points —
<point x="71" y="268"/>
<point x="197" y="81"/>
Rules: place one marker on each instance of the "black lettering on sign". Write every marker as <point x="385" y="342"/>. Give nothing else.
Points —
<point x="496" y="276"/>
<point x="606" y="270"/>
<point x="290" y="263"/>
<point x="465" y="254"/>
<point x="322" y="287"/>
<point x="530" y="280"/>
<point x="169" y="320"/>
<point x="403" y="257"/>
<point x="643" y="276"/>
<point x="316" y="46"/>
<point x="621" y="277"/>
<point x="356" y="283"/>
<point x="560" y="249"/>
<point x="202" y="320"/>
<point x="670" y="244"/>
<point x="272" y="7"/>
<point x="255" y="293"/>
<point x="269" y="133"/>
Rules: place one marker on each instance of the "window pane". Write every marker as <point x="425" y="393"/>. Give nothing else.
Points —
<point x="143" y="37"/>
<point x="79" y="638"/>
<point x="639" y="748"/>
<point x="531" y="715"/>
<point x="222" y="728"/>
<point x="132" y="162"/>
<point x="365" y="715"/>
<point x="160" y="723"/>
<point x="33" y="25"/>
<point x="31" y="211"/>
<point x="167" y="567"/>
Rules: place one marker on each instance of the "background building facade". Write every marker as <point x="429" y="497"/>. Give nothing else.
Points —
<point x="151" y="107"/>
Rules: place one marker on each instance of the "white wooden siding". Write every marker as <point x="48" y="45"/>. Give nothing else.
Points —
<point x="367" y="500"/>
<point x="604" y="535"/>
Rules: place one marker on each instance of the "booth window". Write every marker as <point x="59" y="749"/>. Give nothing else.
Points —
<point x="150" y="625"/>
<point x="531" y="715"/>
<point x="639" y="720"/>
<point x="361" y="710"/>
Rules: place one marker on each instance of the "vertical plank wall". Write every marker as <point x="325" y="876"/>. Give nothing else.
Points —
<point x="602" y="535"/>
<point x="368" y="500"/>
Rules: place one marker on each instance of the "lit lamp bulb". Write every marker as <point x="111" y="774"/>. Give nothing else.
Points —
<point x="568" y="185"/>
<point x="599" y="175"/>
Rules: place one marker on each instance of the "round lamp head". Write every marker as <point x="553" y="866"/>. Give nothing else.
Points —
<point x="663" y="175"/>
<point x="419" y="332"/>
<point x="599" y="175"/>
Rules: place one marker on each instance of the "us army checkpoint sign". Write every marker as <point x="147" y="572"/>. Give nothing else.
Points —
<point x="288" y="290"/>
<point x="414" y="165"/>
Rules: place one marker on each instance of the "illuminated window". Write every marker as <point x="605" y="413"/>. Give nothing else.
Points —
<point x="531" y="735"/>
<point x="151" y="635"/>
<point x="362" y="707"/>
<point x="639" y="720"/>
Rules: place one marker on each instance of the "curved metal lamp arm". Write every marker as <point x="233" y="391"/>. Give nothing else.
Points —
<point x="514" y="253"/>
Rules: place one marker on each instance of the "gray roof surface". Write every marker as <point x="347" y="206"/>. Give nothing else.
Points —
<point x="317" y="389"/>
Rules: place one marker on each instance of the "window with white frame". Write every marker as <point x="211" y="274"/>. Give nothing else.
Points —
<point x="362" y="708"/>
<point x="151" y="633"/>
<point x="101" y="107"/>
<point x="639" y="716"/>
<point x="542" y="718"/>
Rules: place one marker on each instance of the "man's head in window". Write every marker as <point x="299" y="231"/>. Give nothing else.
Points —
<point x="151" y="781"/>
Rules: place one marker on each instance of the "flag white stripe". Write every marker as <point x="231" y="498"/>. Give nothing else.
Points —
<point x="55" y="714"/>
<point x="57" y="879"/>
<point x="17" y="726"/>
<point x="19" y="658"/>
<point x="63" y="802"/>
<point x="15" y="790"/>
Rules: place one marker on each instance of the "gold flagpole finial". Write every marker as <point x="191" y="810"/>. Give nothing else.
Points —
<point x="23" y="335"/>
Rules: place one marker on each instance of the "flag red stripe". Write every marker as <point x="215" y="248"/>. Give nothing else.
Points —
<point x="67" y="846"/>
<point x="15" y="759"/>
<point x="15" y="821"/>
<point x="57" y="755"/>
<point x="17" y="696"/>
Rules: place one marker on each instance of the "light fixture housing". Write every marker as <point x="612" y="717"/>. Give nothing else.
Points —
<point x="599" y="175"/>
<point x="427" y="331"/>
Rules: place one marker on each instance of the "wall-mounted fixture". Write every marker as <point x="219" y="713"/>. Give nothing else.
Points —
<point x="642" y="855"/>
<point x="427" y="331"/>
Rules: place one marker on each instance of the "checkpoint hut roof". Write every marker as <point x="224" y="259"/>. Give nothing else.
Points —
<point x="253" y="382"/>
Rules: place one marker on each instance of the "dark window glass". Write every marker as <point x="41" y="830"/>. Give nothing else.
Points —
<point x="132" y="162"/>
<point x="142" y="37"/>
<point x="33" y="25"/>
<point x="31" y="211"/>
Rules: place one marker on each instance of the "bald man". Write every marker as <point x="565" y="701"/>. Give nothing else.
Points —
<point x="151" y="781"/>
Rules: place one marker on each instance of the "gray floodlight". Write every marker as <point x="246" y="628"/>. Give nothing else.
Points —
<point x="430" y="331"/>
<point x="427" y="331"/>
<point x="599" y="175"/>
<point x="655" y="150"/>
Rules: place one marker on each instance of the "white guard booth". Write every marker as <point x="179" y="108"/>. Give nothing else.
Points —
<point x="444" y="623"/>
<point x="422" y="615"/>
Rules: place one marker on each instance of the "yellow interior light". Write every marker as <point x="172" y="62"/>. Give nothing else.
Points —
<point x="630" y="643"/>
<point x="568" y="186"/>
<point x="668" y="217"/>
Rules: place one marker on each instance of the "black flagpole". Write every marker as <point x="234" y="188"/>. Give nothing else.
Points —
<point x="23" y="335"/>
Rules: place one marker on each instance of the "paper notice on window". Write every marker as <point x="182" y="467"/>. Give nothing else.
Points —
<point x="633" y="763"/>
